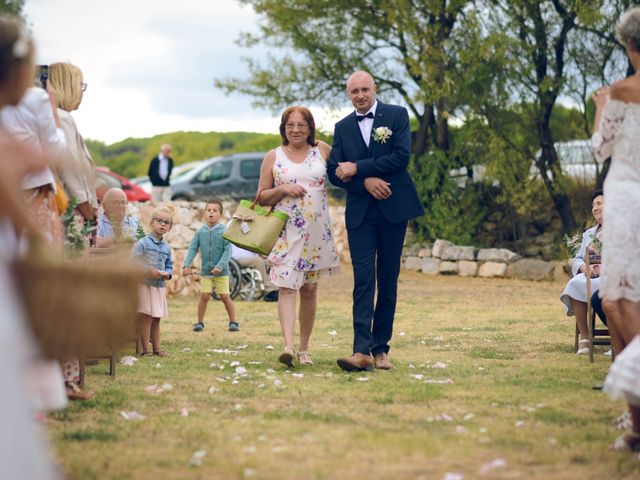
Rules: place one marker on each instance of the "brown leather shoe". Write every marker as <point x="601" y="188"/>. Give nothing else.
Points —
<point x="356" y="362"/>
<point x="382" y="361"/>
<point x="74" y="392"/>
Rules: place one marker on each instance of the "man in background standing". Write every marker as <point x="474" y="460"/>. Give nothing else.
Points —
<point x="160" y="173"/>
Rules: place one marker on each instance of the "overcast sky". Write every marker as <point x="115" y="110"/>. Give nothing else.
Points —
<point x="150" y="64"/>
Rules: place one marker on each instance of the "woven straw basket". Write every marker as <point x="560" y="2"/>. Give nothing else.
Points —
<point x="81" y="307"/>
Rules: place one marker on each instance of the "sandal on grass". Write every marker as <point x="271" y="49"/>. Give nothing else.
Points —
<point x="623" y="422"/>
<point x="583" y="347"/>
<point x="627" y="442"/>
<point x="304" y="358"/>
<point x="288" y="357"/>
<point x="160" y="353"/>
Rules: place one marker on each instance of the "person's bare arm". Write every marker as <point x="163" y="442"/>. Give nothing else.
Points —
<point x="270" y="195"/>
<point x="16" y="160"/>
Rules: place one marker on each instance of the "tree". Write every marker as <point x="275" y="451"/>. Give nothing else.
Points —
<point x="486" y="61"/>
<point x="411" y="47"/>
<point x="12" y="7"/>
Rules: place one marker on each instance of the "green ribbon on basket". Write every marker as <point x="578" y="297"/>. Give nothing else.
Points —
<point x="255" y="228"/>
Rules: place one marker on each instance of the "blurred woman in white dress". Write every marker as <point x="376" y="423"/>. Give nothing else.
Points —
<point x="616" y="135"/>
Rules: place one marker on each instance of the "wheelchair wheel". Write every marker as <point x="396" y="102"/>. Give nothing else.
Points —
<point x="252" y="287"/>
<point x="235" y="280"/>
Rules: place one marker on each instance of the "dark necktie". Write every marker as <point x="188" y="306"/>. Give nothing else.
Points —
<point x="362" y="117"/>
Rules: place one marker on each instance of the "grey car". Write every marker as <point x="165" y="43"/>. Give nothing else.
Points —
<point x="233" y="176"/>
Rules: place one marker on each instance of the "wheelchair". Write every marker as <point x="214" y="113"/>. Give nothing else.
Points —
<point x="245" y="282"/>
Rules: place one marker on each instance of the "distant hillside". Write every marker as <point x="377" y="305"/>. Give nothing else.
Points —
<point x="131" y="157"/>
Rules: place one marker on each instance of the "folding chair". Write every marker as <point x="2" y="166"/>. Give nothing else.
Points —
<point x="597" y="336"/>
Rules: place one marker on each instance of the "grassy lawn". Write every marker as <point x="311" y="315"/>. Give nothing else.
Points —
<point x="511" y="401"/>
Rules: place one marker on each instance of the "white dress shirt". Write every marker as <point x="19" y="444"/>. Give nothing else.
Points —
<point x="366" y="125"/>
<point x="163" y="167"/>
<point x="31" y="122"/>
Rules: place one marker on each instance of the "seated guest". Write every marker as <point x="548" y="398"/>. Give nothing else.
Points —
<point x="249" y="259"/>
<point x="574" y="295"/>
<point x="114" y="224"/>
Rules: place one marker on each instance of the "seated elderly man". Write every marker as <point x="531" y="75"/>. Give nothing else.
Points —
<point x="114" y="224"/>
<point x="574" y="295"/>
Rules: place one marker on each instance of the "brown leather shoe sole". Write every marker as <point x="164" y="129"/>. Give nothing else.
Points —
<point x="347" y="366"/>
<point x="286" y="358"/>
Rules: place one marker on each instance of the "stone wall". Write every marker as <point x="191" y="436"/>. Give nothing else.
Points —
<point x="189" y="217"/>
<point x="445" y="258"/>
<point x="441" y="258"/>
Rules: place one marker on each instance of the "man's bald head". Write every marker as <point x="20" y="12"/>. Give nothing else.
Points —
<point x="361" y="89"/>
<point x="114" y="204"/>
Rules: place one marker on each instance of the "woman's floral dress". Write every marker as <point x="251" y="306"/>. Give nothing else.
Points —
<point x="305" y="249"/>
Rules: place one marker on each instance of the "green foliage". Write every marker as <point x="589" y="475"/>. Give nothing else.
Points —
<point x="131" y="157"/>
<point x="451" y="212"/>
<point x="76" y="231"/>
<point x="11" y="7"/>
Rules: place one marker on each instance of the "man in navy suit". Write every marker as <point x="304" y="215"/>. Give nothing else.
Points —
<point x="369" y="159"/>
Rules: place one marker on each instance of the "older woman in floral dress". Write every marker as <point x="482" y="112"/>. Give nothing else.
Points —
<point x="292" y="179"/>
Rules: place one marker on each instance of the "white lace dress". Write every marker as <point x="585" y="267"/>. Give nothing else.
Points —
<point x="619" y="138"/>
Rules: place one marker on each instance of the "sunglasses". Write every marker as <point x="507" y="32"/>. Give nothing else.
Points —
<point x="162" y="221"/>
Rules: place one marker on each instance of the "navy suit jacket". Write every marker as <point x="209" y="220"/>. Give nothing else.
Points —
<point x="388" y="161"/>
<point x="154" y="173"/>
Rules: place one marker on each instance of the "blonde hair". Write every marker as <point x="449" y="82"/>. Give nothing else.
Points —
<point x="66" y="80"/>
<point x="166" y="209"/>
<point x="628" y="29"/>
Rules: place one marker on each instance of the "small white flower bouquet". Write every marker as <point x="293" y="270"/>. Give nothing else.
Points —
<point x="382" y="134"/>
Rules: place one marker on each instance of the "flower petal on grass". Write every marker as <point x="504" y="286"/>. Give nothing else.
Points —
<point x="186" y="350"/>
<point x="363" y="379"/>
<point x="487" y="467"/>
<point x="439" y="365"/>
<point x="446" y="381"/>
<point x="184" y="412"/>
<point x="241" y="371"/>
<point x="212" y="390"/>
<point x="333" y="333"/>
<point x="128" y="361"/>
<point x="196" y="458"/>
<point x="133" y="415"/>
<point x="453" y="476"/>
<point x="297" y="375"/>
<point x="417" y="376"/>
<point x="519" y="423"/>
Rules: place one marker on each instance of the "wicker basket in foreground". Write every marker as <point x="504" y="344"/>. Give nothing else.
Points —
<point x="78" y="308"/>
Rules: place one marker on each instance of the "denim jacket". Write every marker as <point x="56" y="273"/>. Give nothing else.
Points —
<point x="215" y="250"/>
<point x="154" y="253"/>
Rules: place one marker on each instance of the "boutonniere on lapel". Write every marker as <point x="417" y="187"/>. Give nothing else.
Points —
<point x="382" y="134"/>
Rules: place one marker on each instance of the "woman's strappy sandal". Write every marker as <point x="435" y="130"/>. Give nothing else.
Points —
<point x="583" y="347"/>
<point x="627" y="442"/>
<point x="623" y="422"/>
<point x="305" y="358"/>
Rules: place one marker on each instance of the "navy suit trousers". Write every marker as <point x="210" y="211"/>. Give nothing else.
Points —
<point x="376" y="251"/>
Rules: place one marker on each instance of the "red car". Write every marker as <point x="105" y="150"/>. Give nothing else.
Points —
<point x="106" y="179"/>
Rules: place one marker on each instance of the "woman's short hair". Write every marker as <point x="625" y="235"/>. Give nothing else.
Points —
<point x="66" y="80"/>
<point x="628" y="28"/>
<point x="16" y="47"/>
<point x="308" y="117"/>
<point x="596" y="194"/>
